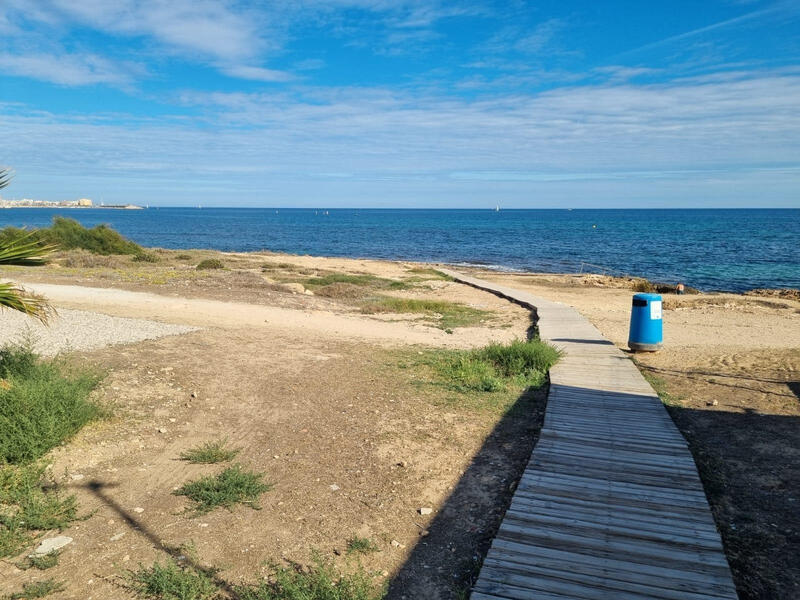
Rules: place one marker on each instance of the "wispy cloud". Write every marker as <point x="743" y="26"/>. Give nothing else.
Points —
<point x="71" y="69"/>
<point x="705" y="129"/>
<point x="782" y="10"/>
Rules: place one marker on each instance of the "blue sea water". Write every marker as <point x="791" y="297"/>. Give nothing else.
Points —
<point x="719" y="249"/>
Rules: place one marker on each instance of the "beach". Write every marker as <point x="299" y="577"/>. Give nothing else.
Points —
<point x="302" y="364"/>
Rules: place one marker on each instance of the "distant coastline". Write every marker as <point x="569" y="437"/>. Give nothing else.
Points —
<point x="67" y="204"/>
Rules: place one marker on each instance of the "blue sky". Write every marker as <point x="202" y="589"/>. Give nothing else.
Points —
<point x="378" y="103"/>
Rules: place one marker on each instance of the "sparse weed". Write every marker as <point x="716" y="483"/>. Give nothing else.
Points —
<point x="38" y="589"/>
<point x="446" y="315"/>
<point x="210" y="453"/>
<point x="232" y="486"/>
<point x="172" y="582"/>
<point x="31" y="504"/>
<point x="360" y="545"/>
<point x="320" y="581"/>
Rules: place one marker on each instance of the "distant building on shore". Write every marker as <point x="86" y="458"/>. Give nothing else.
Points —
<point x="80" y="203"/>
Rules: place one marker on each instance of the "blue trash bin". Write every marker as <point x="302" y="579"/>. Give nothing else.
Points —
<point x="646" y="330"/>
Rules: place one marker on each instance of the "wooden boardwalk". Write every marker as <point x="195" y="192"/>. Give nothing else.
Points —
<point x="610" y="505"/>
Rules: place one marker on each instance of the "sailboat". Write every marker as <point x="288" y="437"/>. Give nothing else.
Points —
<point x="497" y="208"/>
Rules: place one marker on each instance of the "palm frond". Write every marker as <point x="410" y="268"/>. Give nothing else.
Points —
<point x="5" y="177"/>
<point x="26" y="250"/>
<point x="16" y="298"/>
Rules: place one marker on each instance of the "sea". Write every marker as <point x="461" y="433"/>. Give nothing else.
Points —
<point x="710" y="249"/>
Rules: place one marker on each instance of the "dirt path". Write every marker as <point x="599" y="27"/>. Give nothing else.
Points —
<point x="324" y="404"/>
<point x="312" y="323"/>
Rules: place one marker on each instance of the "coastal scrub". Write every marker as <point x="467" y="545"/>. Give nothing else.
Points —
<point x="42" y="403"/>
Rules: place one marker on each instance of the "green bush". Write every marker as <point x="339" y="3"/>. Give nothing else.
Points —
<point x="496" y="366"/>
<point x="42" y="404"/>
<point x="210" y="263"/>
<point x="101" y="239"/>
<point x="68" y="234"/>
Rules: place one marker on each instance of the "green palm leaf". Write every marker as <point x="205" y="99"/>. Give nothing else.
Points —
<point x="16" y="298"/>
<point x="5" y="177"/>
<point x="26" y="250"/>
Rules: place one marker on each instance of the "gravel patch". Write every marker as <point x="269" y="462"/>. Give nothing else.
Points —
<point x="73" y="330"/>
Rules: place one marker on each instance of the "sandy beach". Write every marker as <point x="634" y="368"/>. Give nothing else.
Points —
<point x="319" y="390"/>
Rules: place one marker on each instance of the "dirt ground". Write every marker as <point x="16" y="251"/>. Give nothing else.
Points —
<point x="730" y="368"/>
<point x="353" y="439"/>
<point x="319" y="396"/>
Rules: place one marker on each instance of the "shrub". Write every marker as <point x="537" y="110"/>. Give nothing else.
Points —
<point x="184" y="257"/>
<point x="101" y="239"/>
<point x="41" y="404"/>
<point x="234" y="485"/>
<point x="144" y="256"/>
<point x="210" y="263"/>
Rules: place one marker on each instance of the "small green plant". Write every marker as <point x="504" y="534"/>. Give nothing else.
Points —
<point x="360" y="545"/>
<point x="446" y="315"/>
<point x="232" y="486"/>
<point x="30" y="503"/>
<point x="210" y="453"/>
<point x="38" y="589"/>
<point x="319" y="581"/>
<point x="183" y="257"/>
<point x="42" y="403"/>
<point x="172" y="582"/>
<point x="210" y="263"/>
<point x="148" y="257"/>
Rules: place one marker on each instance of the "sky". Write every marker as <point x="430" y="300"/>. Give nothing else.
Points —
<point x="403" y="103"/>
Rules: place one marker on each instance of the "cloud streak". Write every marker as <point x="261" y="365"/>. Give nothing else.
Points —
<point x="712" y="131"/>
